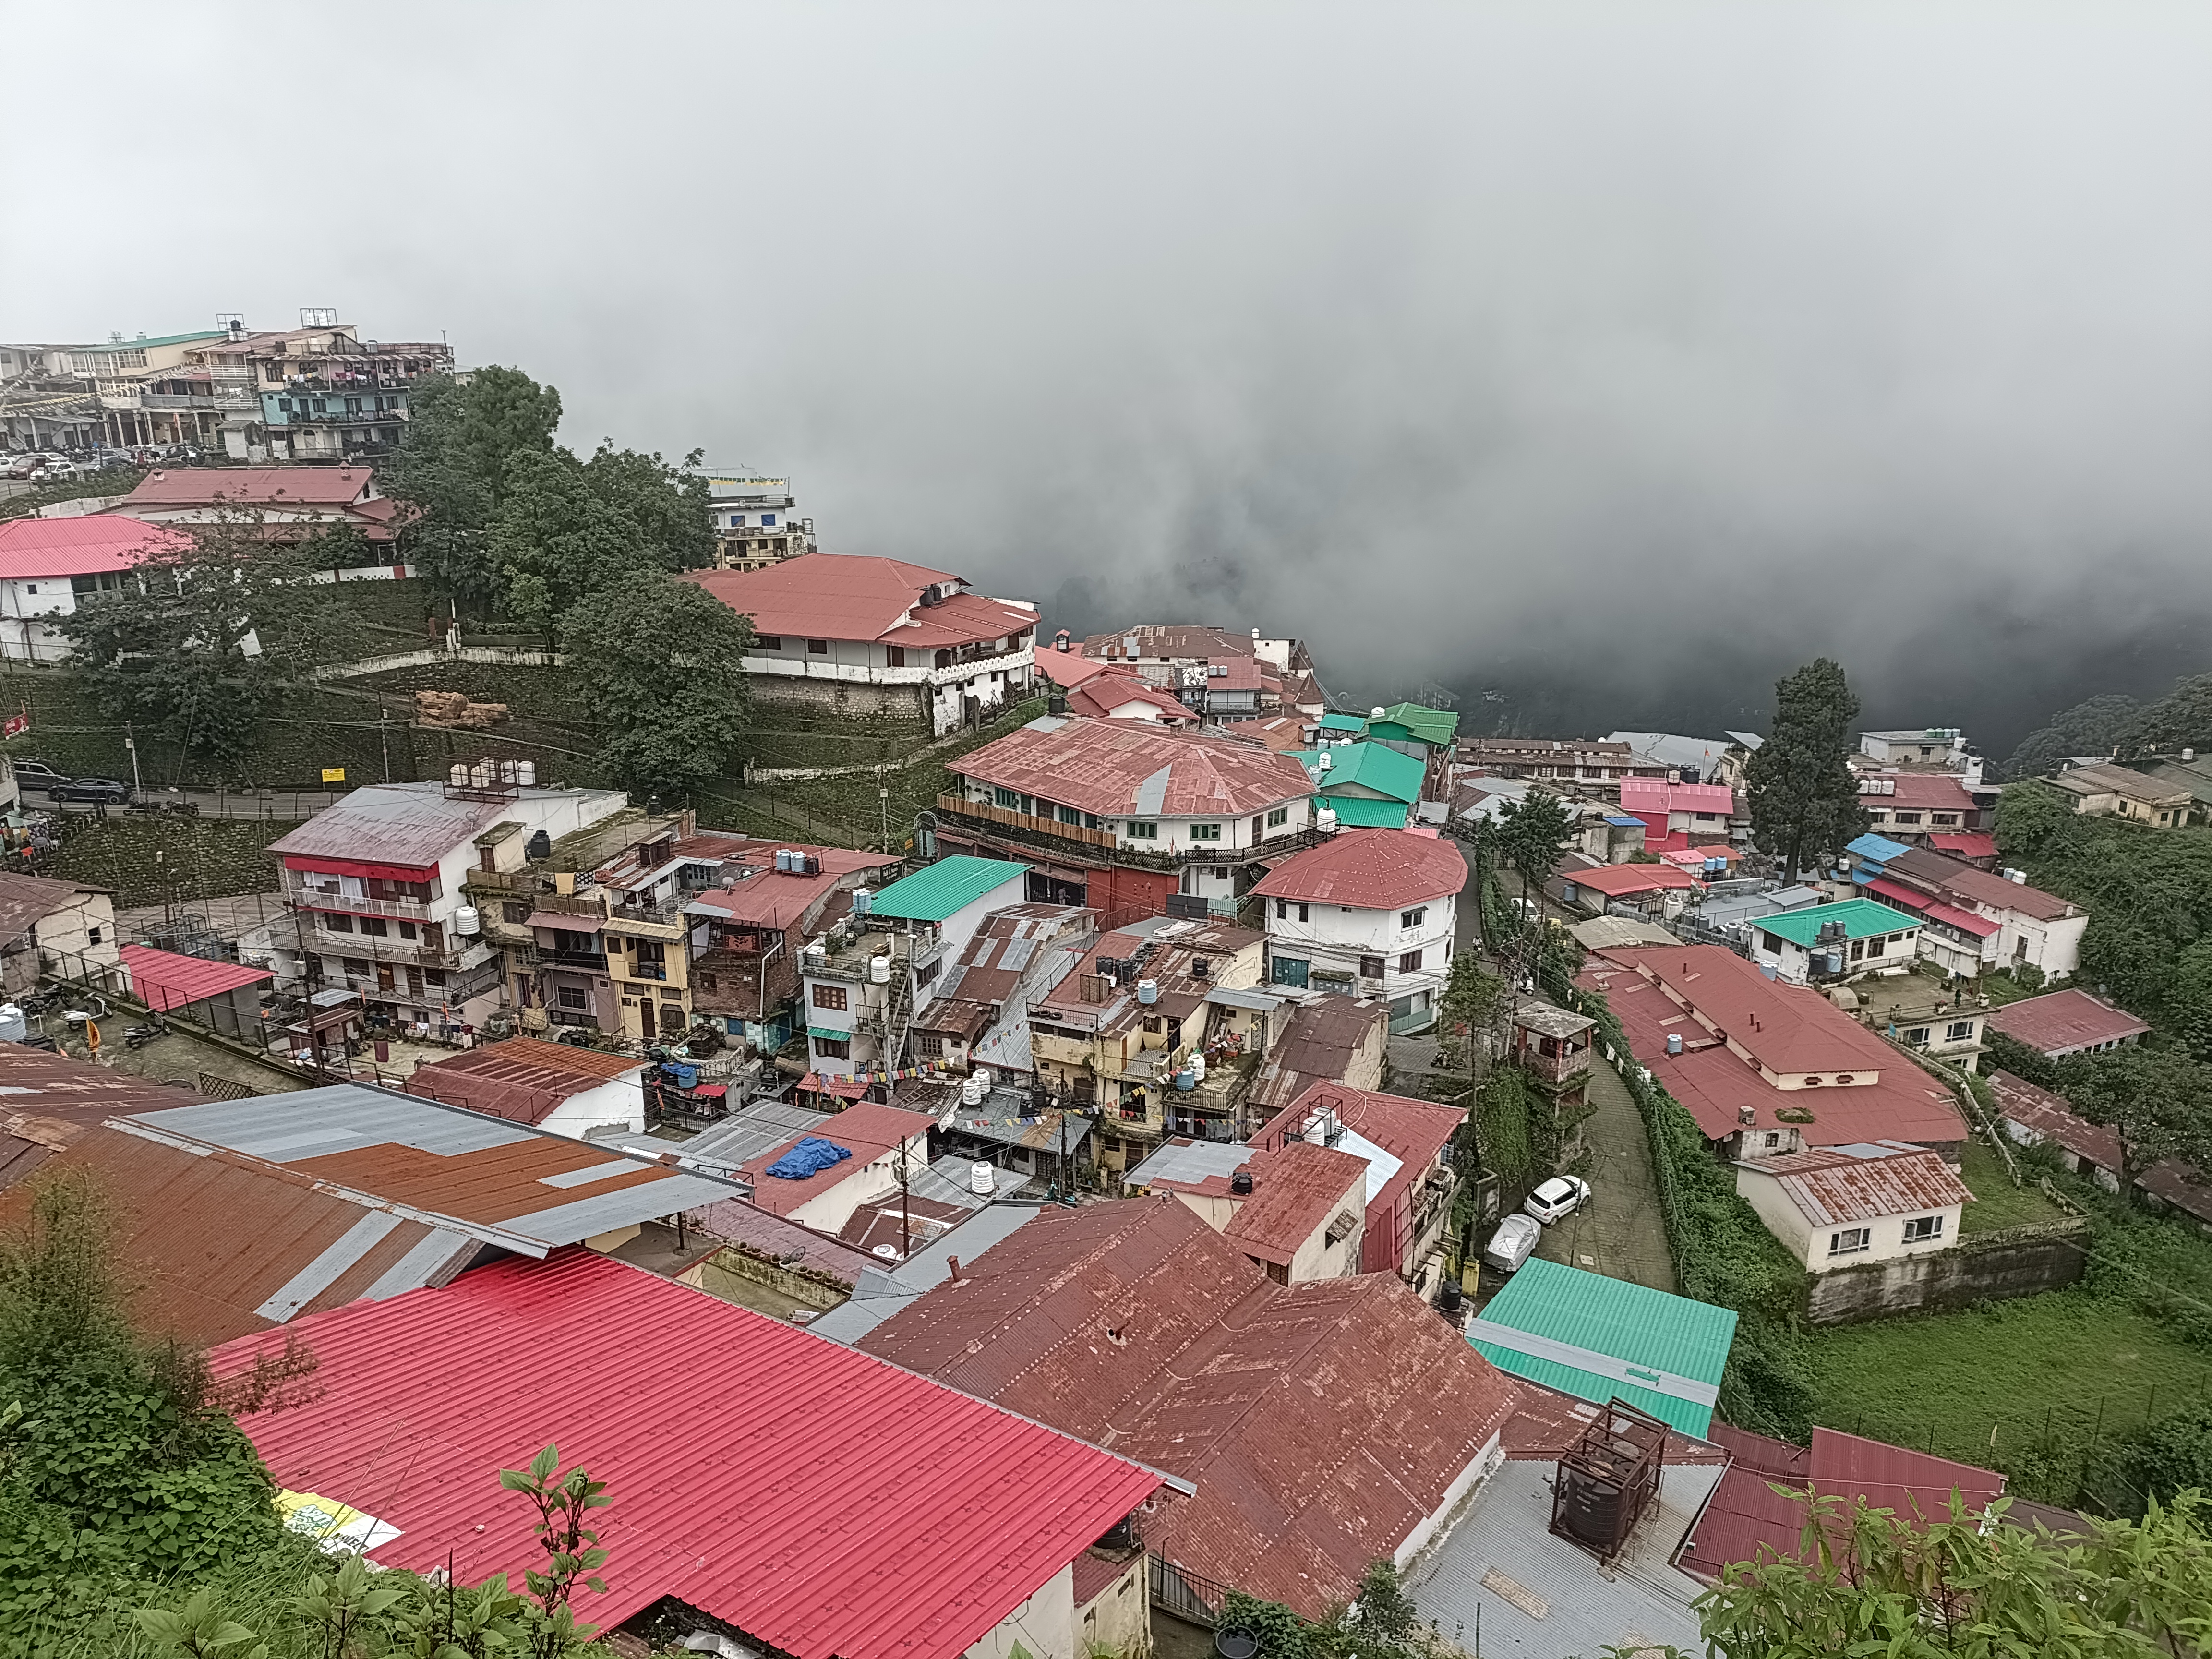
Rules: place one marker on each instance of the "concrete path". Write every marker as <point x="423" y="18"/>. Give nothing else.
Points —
<point x="1620" y="1234"/>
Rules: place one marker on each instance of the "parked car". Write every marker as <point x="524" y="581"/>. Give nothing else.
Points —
<point x="1511" y="1244"/>
<point x="103" y="789"/>
<point x="1560" y="1196"/>
<point x="37" y="774"/>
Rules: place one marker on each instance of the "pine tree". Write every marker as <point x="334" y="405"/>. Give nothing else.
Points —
<point x="1804" y="800"/>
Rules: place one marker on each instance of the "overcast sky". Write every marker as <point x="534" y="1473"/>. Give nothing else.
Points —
<point x="1603" y="359"/>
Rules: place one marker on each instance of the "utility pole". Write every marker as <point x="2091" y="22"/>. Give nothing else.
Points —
<point x="384" y="737"/>
<point x="905" y="1226"/>
<point x="130" y="743"/>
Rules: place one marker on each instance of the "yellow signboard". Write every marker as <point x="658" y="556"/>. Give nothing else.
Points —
<point x="329" y="1521"/>
<point x="334" y="775"/>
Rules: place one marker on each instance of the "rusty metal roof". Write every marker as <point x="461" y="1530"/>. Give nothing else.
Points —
<point x="26" y="900"/>
<point x="1321" y="1422"/>
<point x="1119" y="767"/>
<point x="1371" y="870"/>
<point x="2065" y="1023"/>
<point x="1864" y="1181"/>
<point x="2048" y="1117"/>
<point x="521" y="1079"/>
<point x="50" y="1100"/>
<point x="504" y="1183"/>
<point x="222" y="1246"/>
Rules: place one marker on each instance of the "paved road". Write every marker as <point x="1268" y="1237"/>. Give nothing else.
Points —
<point x="278" y="807"/>
<point x="1620" y="1235"/>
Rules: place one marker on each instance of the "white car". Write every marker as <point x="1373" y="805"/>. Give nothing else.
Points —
<point x="1560" y="1196"/>
<point x="1511" y="1244"/>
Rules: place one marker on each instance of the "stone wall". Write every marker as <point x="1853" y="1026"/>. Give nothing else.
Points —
<point x="2019" y="1261"/>
<point x="897" y="702"/>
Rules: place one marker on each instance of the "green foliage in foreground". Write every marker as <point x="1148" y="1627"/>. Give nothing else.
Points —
<point x="1380" y="1622"/>
<point x="1868" y="1582"/>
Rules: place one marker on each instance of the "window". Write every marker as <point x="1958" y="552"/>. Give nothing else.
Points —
<point x="1961" y="1031"/>
<point x="1851" y="1240"/>
<point x="572" y="996"/>
<point x="1921" y="1227"/>
<point x="737" y="521"/>
<point x="767" y="642"/>
<point x="1205" y="832"/>
<point x="830" y="996"/>
<point x="1278" y="817"/>
<point x="1068" y="814"/>
<point x="1283" y="910"/>
<point x="1858" y="949"/>
<point x="768" y="519"/>
<point x="406" y="929"/>
<point x="1414" y="917"/>
<point x="1918" y="1036"/>
<point x="93" y="934"/>
<point x="895" y="656"/>
<point x="817" y="647"/>
<point x="1769" y="942"/>
<point x="1410" y="963"/>
<point x="374" y="927"/>
<point x="614" y="944"/>
<point x="1773" y="1139"/>
<point x="928" y="971"/>
<point x="1943" y="818"/>
<point x="357" y="965"/>
<point x="1908" y="817"/>
<point x="435" y="976"/>
<point x="1141" y="830"/>
<point x="1006" y="799"/>
<point x="933" y="1045"/>
<point x="334" y="923"/>
<point x="1371" y="967"/>
<point x="826" y="1049"/>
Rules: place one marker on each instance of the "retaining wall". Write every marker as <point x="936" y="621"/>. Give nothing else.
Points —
<point x="2018" y="1263"/>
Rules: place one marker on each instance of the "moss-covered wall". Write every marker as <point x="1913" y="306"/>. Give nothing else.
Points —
<point x="200" y="858"/>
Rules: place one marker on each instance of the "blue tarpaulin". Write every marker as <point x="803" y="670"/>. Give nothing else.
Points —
<point x="810" y="1156"/>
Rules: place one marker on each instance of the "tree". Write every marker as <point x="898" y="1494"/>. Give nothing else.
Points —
<point x="453" y="465"/>
<point x="2029" y="815"/>
<point x="1804" y="799"/>
<point x="568" y="529"/>
<point x="656" y="660"/>
<point x="2158" y="1098"/>
<point x="2182" y="719"/>
<point x="2174" y="1456"/>
<point x="2087" y="728"/>
<point x="1529" y="836"/>
<point x="227" y="624"/>
<point x="1869" y="1581"/>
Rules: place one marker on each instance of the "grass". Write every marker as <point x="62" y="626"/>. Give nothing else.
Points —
<point x="2001" y="988"/>
<point x="1997" y="1203"/>
<point x="1987" y="1385"/>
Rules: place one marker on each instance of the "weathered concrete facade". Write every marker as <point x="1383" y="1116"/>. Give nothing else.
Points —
<point x="1986" y="1269"/>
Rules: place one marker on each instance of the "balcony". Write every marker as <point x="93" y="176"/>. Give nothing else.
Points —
<point x="1104" y="846"/>
<point x="316" y="898"/>
<point x="1563" y="1066"/>
<point x="649" y="921"/>
<point x="593" y="961"/>
<point x="640" y="971"/>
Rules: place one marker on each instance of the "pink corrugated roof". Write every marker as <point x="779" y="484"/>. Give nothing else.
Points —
<point x="96" y="544"/>
<point x="825" y="1503"/>
<point x="842" y="597"/>
<point x="1967" y="847"/>
<point x="1963" y="921"/>
<point x="289" y="486"/>
<point x="1621" y="880"/>
<point x="2065" y="1022"/>
<point x="1658" y="795"/>
<point x="1098" y="766"/>
<point x="1369" y="870"/>
<point x="2050" y="1118"/>
<point x="164" y="981"/>
<point x="1897" y="893"/>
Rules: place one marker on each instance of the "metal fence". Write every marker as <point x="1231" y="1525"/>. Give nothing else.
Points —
<point x="1188" y="1595"/>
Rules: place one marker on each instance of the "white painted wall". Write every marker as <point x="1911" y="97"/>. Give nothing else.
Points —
<point x="1810" y="1244"/>
<point x="1044" y="1624"/>
<point x="1338" y="935"/>
<point x="618" y="1102"/>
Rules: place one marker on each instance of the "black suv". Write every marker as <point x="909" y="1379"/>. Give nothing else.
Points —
<point x="101" y="789"/>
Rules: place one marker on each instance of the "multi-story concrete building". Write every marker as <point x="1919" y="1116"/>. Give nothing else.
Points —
<point x="313" y="393"/>
<point x="756" y="518"/>
<point x="1370" y="912"/>
<point x="375" y="888"/>
<point x="879" y="637"/>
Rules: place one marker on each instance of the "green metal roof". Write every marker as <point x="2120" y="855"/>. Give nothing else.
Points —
<point x="1862" y="918"/>
<point x="1371" y="766"/>
<point x="1597" y="1338"/>
<point x="1357" y="812"/>
<point x="1342" y="723"/>
<point x="159" y="340"/>
<point x="828" y="1033"/>
<point x="1419" y="721"/>
<point x="948" y="885"/>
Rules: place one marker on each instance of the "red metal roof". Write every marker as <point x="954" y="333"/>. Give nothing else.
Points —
<point x="92" y="545"/>
<point x="1939" y="791"/>
<point x="164" y="981"/>
<point x="1964" y="921"/>
<point x="1897" y="893"/>
<point x="821" y="1501"/>
<point x="1832" y="1185"/>
<point x="1099" y="766"/>
<point x="2065" y="1023"/>
<point x="264" y="486"/>
<point x="1296" y="1190"/>
<point x="1966" y="886"/>
<point x="1789" y="1030"/>
<point x="865" y="1130"/>
<point x="521" y="1079"/>
<point x="1621" y="880"/>
<point x="1100" y="696"/>
<point x="1369" y="870"/>
<point x="1321" y="1422"/>
<point x="843" y="596"/>
<point x="1967" y="847"/>
<point x="1069" y="668"/>
<point x="2050" y="1118"/>
<point x="52" y="1102"/>
<point x="1658" y="795"/>
<point x="1411" y="1131"/>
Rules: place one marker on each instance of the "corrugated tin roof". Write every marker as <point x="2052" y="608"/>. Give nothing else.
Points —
<point x="1373" y="766"/>
<point x="1105" y="767"/>
<point x="1598" y="1338"/>
<point x="865" y="1130"/>
<point x="164" y="981"/>
<point x="521" y="1079"/>
<point x="1357" y="812"/>
<point x="849" y="597"/>
<point x="481" y="1175"/>
<point x="2051" y="1118"/>
<point x="1431" y="725"/>
<point x="2065" y="1022"/>
<point x="1622" y="880"/>
<point x="1861" y="919"/>
<point x="1876" y="849"/>
<point x="825" y="1504"/>
<point x="1967" y="885"/>
<point x="1369" y="870"/>
<point x="94" y="545"/>
<point x="1866" y="1182"/>
<point x="412" y="825"/>
<point x="1321" y="1422"/>
<point x="26" y="900"/>
<point x="937" y="890"/>
<point x="48" y="1101"/>
<point x="263" y="486"/>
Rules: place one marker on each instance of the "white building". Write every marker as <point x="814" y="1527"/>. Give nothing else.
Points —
<point x="756" y="519"/>
<point x="879" y="636"/>
<point x="1842" y="1205"/>
<point x="1368" y="911"/>
<point x="1979" y="921"/>
<point x="1926" y="749"/>
<point x="46" y="565"/>
<point x="375" y="886"/>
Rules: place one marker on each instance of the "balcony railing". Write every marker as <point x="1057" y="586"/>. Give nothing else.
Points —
<point x="1025" y="822"/>
<point x="588" y="959"/>
<point x="315" y="898"/>
<point x="1068" y="838"/>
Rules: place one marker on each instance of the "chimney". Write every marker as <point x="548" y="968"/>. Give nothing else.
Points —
<point x="953" y="1262"/>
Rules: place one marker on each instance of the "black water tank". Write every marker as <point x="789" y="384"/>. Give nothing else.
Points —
<point x="539" y="846"/>
<point x="1241" y="1182"/>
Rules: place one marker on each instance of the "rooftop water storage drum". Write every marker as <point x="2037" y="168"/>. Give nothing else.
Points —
<point x="879" y="970"/>
<point x="525" y="774"/>
<point x="457" y="775"/>
<point x="1325" y="820"/>
<point x="1148" y="991"/>
<point x="972" y="1090"/>
<point x="980" y="1180"/>
<point x="539" y="846"/>
<point x="863" y="900"/>
<point x="466" y="922"/>
<point x="14" y="1027"/>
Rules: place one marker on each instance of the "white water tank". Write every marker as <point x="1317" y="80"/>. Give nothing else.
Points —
<point x="1377" y="712"/>
<point x="507" y="771"/>
<point x="1196" y="1064"/>
<point x="14" y="1028"/>
<point x="525" y="774"/>
<point x="863" y="900"/>
<point x="466" y="922"/>
<point x="879" y="970"/>
<point x="984" y="1072"/>
<point x="1325" y="820"/>
<point x="1148" y="990"/>
<point x="817" y="955"/>
<point x="979" y="1180"/>
<point x="457" y="775"/>
<point x="1322" y="762"/>
<point x="973" y="1088"/>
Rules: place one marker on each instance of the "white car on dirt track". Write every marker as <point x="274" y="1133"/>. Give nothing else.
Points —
<point x="1559" y="1197"/>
